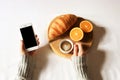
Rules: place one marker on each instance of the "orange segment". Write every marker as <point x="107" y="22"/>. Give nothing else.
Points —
<point x="86" y="26"/>
<point x="76" y="34"/>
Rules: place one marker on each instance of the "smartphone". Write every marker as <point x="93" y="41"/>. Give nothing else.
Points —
<point x="28" y="36"/>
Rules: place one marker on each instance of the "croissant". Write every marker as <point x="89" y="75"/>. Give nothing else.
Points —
<point x="60" y="25"/>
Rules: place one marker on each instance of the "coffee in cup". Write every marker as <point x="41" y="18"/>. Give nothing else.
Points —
<point x="66" y="46"/>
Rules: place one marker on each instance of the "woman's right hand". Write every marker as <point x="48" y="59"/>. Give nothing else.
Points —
<point x="78" y="50"/>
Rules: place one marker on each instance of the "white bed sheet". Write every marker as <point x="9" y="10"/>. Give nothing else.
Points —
<point x="103" y="57"/>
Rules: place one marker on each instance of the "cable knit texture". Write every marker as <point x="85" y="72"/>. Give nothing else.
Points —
<point x="26" y="67"/>
<point x="79" y="63"/>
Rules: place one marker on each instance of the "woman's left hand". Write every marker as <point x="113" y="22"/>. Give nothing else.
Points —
<point x="23" y="50"/>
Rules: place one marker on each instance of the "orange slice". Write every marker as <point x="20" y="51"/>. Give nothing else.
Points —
<point x="76" y="34"/>
<point x="86" y="26"/>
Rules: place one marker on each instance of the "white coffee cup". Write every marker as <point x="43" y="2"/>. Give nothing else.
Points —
<point x="66" y="46"/>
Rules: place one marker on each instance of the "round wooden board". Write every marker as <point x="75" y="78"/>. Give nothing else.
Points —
<point x="86" y="41"/>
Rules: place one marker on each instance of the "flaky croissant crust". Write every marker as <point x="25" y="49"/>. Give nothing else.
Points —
<point x="60" y="25"/>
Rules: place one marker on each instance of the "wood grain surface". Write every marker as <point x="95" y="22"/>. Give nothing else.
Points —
<point x="86" y="41"/>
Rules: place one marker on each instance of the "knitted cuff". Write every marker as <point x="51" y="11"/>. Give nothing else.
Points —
<point x="26" y="67"/>
<point x="79" y="63"/>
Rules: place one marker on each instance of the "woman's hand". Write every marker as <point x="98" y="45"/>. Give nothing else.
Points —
<point x="23" y="50"/>
<point x="79" y="62"/>
<point x="78" y="50"/>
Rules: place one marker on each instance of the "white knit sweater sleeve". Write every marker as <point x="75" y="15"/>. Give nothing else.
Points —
<point x="79" y="63"/>
<point x="26" y="67"/>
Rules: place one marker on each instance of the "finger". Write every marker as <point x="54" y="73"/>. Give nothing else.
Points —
<point x="32" y="52"/>
<point x="37" y="39"/>
<point x="75" y="50"/>
<point x="38" y="42"/>
<point x="22" y="47"/>
<point x="36" y="35"/>
<point x="80" y="52"/>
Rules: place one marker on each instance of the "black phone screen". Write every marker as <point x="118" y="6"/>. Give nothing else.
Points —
<point x="28" y="37"/>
